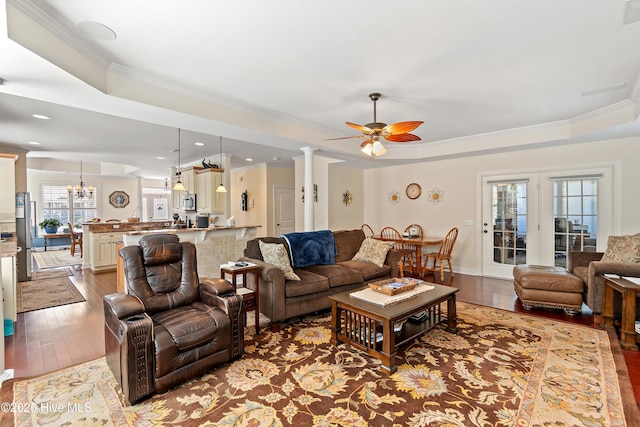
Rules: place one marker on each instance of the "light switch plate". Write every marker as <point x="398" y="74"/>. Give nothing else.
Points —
<point x="469" y="222"/>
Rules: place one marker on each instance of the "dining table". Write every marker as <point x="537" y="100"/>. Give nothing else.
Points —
<point x="418" y="243"/>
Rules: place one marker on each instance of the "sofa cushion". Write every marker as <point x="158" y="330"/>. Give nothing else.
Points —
<point x="188" y="326"/>
<point x="373" y="251"/>
<point x="253" y="246"/>
<point x="369" y="271"/>
<point x="623" y="249"/>
<point x="276" y="254"/>
<point x="338" y="275"/>
<point x="310" y="283"/>
<point x="348" y="243"/>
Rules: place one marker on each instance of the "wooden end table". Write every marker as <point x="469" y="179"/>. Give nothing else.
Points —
<point x="629" y="291"/>
<point x="370" y="327"/>
<point x="250" y="297"/>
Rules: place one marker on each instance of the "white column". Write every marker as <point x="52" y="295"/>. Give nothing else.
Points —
<point x="308" y="188"/>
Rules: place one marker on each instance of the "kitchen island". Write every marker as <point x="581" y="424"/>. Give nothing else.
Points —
<point x="214" y="245"/>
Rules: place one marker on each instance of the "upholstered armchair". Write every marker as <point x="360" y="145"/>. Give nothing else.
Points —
<point x="621" y="259"/>
<point x="170" y="327"/>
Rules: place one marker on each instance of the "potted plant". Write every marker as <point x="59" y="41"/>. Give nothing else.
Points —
<point x="50" y="225"/>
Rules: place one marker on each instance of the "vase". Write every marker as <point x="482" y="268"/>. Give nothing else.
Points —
<point x="51" y="229"/>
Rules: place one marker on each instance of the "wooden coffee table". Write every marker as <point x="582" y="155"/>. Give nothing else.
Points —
<point x="370" y="327"/>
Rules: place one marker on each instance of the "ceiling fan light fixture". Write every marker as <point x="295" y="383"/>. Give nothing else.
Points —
<point x="378" y="149"/>
<point x="396" y="132"/>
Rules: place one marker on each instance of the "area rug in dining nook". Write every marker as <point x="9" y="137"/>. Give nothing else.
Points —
<point x="46" y="293"/>
<point x="50" y="259"/>
<point x="500" y="369"/>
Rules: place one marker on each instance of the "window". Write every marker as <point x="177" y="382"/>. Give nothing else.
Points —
<point x="56" y="204"/>
<point x="575" y="211"/>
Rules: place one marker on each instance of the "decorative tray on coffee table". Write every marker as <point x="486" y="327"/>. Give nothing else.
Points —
<point x="394" y="286"/>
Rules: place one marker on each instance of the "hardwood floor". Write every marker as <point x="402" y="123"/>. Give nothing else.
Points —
<point x="54" y="338"/>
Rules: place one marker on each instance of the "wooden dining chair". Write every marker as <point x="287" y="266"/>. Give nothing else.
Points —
<point x="442" y="258"/>
<point x="411" y="258"/>
<point x="390" y="233"/>
<point x="76" y="240"/>
<point x="368" y="231"/>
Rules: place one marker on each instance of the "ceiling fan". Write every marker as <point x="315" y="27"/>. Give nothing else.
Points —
<point x="397" y="132"/>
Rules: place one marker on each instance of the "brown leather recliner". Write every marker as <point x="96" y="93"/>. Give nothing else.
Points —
<point x="170" y="327"/>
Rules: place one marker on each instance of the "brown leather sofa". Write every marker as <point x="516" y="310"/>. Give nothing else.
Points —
<point x="281" y="299"/>
<point x="171" y="326"/>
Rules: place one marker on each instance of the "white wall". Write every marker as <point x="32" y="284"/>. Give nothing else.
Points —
<point x="342" y="179"/>
<point x="459" y="179"/>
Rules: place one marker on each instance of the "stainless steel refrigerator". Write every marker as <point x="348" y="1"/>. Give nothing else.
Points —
<point x="23" y="231"/>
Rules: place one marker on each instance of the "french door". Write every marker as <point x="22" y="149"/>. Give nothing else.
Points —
<point x="509" y="223"/>
<point x="538" y="217"/>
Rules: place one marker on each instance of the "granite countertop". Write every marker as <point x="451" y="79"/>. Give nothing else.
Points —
<point x="188" y="230"/>
<point x="8" y="246"/>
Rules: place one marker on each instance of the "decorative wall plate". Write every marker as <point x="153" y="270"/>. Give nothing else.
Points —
<point x="119" y="199"/>
<point x="413" y="190"/>
<point x="436" y="196"/>
<point x="394" y="197"/>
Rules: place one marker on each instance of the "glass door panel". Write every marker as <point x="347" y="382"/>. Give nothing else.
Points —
<point x="506" y="223"/>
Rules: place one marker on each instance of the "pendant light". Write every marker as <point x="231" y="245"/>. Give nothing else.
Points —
<point x="178" y="185"/>
<point x="221" y="188"/>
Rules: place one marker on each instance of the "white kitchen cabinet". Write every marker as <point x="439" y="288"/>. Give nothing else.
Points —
<point x="103" y="250"/>
<point x="208" y="201"/>
<point x="9" y="285"/>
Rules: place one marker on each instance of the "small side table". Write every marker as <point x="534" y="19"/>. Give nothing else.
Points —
<point x="250" y="297"/>
<point x="629" y="292"/>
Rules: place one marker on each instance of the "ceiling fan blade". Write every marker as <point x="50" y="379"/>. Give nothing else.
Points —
<point x="345" y="137"/>
<point x="400" y="127"/>
<point x="363" y="129"/>
<point x="403" y="137"/>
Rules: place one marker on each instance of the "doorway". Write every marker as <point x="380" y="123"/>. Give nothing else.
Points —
<point x="509" y="223"/>
<point x="538" y="217"/>
<point x="284" y="210"/>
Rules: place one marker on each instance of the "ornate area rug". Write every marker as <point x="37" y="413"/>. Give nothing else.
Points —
<point x="500" y="369"/>
<point x="59" y="258"/>
<point x="50" y="273"/>
<point x="46" y="293"/>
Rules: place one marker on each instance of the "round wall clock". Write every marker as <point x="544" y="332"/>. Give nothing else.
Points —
<point x="413" y="190"/>
<point x="119" y="199"/>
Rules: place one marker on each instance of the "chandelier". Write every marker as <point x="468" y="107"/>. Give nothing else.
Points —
<point x="80" y="191"/>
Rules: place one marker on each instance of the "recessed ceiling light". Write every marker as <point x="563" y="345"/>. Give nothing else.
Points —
<point x="96" y="30"/>
<point x="249" y="160"/>
<point x="41" y="117"/>
<point x="199" y="143"/>
<point x="161" y="158"/>
<point x="33" y="143"/>
<point x="276" y="158"/>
